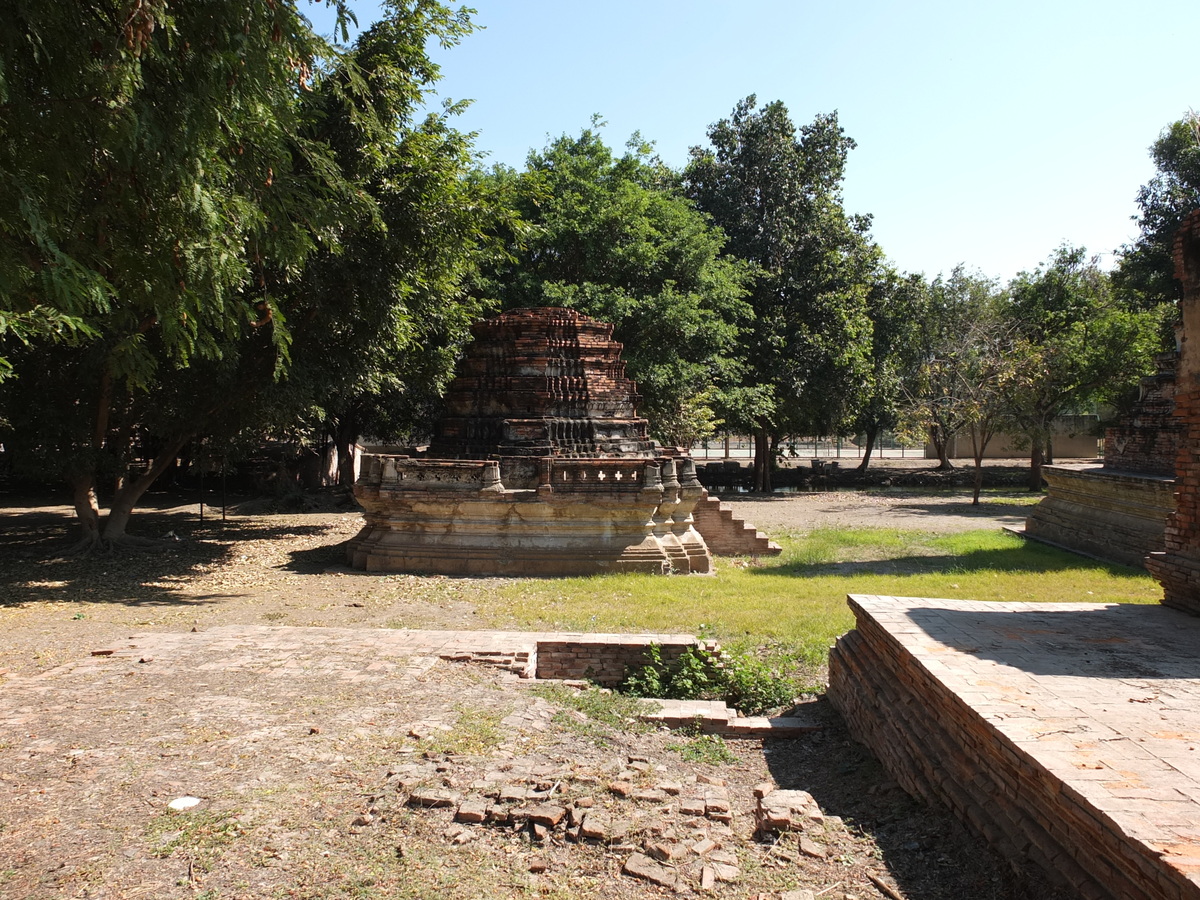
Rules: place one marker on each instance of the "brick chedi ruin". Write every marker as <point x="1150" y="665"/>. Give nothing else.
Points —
<point x="539" y="465"/>
<point x="1177" y="567"/>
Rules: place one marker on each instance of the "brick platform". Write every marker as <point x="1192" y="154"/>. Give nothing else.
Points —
<point x="1066" y="734"/>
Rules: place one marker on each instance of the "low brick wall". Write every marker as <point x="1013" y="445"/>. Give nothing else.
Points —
<point x="1118" y="516"/>
<point x="605" y="658"/>
<point x="938" y="747"/>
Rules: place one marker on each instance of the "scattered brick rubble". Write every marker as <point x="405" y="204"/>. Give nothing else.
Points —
<point x="679" y="831"/>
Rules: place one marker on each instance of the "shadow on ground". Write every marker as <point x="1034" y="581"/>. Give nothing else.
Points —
<point x="928" y="853"/>
<point x="1027" y="558"/>
<point x="35" y="564"/>
<point x="1137" y="642"/>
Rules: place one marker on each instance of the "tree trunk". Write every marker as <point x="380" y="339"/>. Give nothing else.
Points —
<point x="87" y="508"/>
<point x="979" y="442"/>
<point x="1036" y="461"/>
<point x="345" y="438"/>
<point x="126" y="499"/>
<point x="762" y="460"/>
<point x="941" y="445"/>
<point x="872" y="433"/>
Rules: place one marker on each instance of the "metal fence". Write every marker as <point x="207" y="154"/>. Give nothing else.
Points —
<point x="742" y="447"/>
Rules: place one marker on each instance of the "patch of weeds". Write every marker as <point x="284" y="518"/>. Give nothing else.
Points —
<point x="601" y="707"/>
<point x="741" y="679"/>
<point x="476" y="732"/>
<point x="704" y="748"/>
<point x="202" y="835"/>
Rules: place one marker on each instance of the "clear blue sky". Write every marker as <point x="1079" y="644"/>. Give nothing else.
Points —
<point x="988" y="133"/>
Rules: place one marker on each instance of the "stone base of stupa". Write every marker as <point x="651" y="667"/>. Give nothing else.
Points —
<point x="583" y="517"/>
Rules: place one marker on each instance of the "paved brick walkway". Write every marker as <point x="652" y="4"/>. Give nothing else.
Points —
<point x="1104" y="698"/>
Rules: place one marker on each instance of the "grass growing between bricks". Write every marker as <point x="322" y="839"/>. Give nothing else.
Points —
<point x="794" y="605"/>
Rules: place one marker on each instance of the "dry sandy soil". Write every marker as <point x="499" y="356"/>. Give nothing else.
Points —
<point x="243" y="673"/>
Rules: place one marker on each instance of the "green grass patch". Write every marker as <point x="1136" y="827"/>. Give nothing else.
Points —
<point x="475" y="733"/>
<point x="202" y="836"/>
<point x="704" y="748"/>
<point x="594" y="712"/>
<point x="796" y="603"/>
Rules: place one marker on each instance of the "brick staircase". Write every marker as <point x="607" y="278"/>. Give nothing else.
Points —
<point x="726" y="534"/>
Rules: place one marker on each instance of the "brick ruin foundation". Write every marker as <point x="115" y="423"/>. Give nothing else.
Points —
<point x="1177" y="566"/>
<point x="1063" y="733"/>
<point x="539" y="466"/>
<point x="1118" y="510"/>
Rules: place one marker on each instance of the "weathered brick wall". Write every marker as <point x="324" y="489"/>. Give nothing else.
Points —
<point x="1147" y="441"/>
<point x="1115" y="515"/>
<point x="541" y="382"/>
<point x="605" y="659"/>
<point x="937" y="747"/>
<point x="1177" y="568"/>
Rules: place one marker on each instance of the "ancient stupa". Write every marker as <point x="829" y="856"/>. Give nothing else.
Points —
<point x="539" y="465"/>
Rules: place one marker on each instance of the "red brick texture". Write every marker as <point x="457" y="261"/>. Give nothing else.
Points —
<point x="1177" y="568"/>
<point x="956" y="718"/>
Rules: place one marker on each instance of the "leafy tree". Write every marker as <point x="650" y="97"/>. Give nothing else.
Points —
<point x="378" y="318"/>
<point x="953" y="320"/>
<point x="985" y="368"/>
<point x="1145" y="275"/>
<point x="894" y="304"/>
<point x="166" y="172"/>
<point x="777" y="194"/>
<point x="1074" y="344"/>
<point x="615" y="238"/>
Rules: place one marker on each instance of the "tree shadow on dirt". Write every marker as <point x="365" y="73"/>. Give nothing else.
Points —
<point x="928" y="853"/>
<point x="923" y="506"/>
<point x="1024" y="559"/>
<point x="317" y="560"/>
<point x="35" y="565"/>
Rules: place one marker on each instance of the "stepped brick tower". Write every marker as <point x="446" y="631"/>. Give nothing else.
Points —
<point x="540" y="465"/>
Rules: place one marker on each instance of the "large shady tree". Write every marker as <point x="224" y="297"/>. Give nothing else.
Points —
<point x="776" y="192"/>
<point x="1074" y="342"/>
<point x="166" y="173"/>
<point x="1145" y="275"/>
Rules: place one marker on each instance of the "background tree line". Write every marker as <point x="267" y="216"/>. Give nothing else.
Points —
<point x="215" y="224"/>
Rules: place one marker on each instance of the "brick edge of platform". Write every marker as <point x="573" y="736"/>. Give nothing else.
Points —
<point x="938" y="748"/>
<point x="728" y="535"/>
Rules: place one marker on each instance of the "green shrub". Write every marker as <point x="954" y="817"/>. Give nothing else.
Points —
<point x="753" y="687"/>
<point x="741" y="680"/>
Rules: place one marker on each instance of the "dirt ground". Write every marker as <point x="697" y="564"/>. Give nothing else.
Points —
<point x="243" y="673"/>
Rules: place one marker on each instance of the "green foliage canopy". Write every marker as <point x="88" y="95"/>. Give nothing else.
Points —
<point x="167" y="172"/>
<point x="1075" y="343"/>
<point x="1146" y="273"/>
<point x="777" y="193"/>
<point x="615" y="238"/>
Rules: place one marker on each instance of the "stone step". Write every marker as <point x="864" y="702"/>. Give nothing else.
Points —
<point x="726" y="534"/>
<point x="715" y="717"/>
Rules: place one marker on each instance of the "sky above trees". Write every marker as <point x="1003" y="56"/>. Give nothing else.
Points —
<point x="988" y="134"/>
